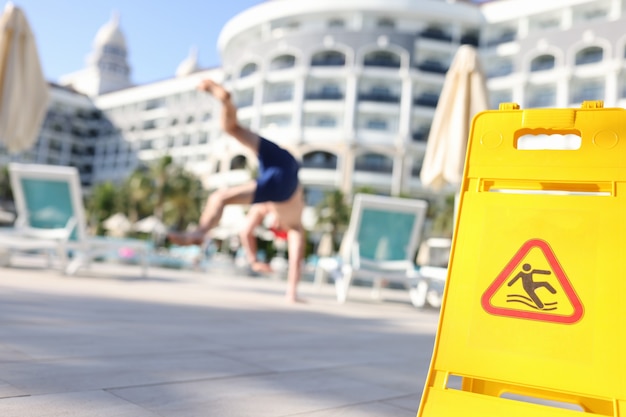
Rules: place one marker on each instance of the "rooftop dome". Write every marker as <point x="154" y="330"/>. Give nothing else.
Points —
<point x="189" y="64"/>
<point x="110" y="33"/>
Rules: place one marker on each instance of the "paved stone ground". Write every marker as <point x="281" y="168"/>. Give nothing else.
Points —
<point x="108" y="343"/>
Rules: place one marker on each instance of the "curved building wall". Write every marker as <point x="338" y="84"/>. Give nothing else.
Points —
<point x="355" y="79"/>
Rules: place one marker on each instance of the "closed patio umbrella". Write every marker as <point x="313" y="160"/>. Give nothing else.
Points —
<point x="117" y="224"/>
<point x="23" y="88"/>
<point x="150" y="224"/>
<point x="464" y="94"/>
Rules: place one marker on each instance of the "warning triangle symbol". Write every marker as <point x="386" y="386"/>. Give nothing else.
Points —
<point x="533" y="286"/>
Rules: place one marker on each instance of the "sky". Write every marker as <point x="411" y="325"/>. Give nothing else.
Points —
<point x="159" y="34"/>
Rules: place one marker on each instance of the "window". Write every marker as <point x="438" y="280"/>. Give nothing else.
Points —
<point x="244" y="98"/>
<point x="336" y="24"/>
<point x="374" y="163"/>
<point x="500" y="68"/>
<point x="326" y="121"/>
<point x="283" y="62"/>
<point x="382" y="59"/>
<point x="421" y="134"/>
<point x="437" y="33"/>
<point x="155" y="103"/>
<point x="313" y="196"/>
<point x="248" y="69"/>
<point x="503" y="36"/>
<point x="277" y="120"/>
<point x="588" y="90"/>
<point x="386" y="23"/>
<point x="542" y="63"/>
<point x="320" y="160"/>
<point x="542" y="96"/>
<point x="328" y="59"/>
<point x="376" y="124"/>
<point x="238" y="162"/>
<point x="589" y="55"/>
<point x="326" y="92"/>
<point x="279" y="92"/>
<point x="380" y="93"/>
<point x="470" y="38"/>
<point x="427" y="99"/>
<point x="433" y="65"/>
<point x="500" y="96"/>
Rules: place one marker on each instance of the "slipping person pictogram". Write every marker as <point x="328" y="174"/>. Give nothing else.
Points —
<point x="530" y="285"/>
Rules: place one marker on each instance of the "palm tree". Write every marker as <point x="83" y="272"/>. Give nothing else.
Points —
<point x="160" y="173"/>
<point x="333" y="214"/>
<point x="104" y="201"/>
<point x="183" y="196"/>
<point x="136" y="191"/>
<point x="6" y="193"/>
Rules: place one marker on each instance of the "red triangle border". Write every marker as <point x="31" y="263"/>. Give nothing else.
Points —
<point x="558" y="272"/>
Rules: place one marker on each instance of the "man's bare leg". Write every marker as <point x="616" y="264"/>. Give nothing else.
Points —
<point x="248" y="240"/>
<point x="230" y="124"/>
<point x="212" y="213"/>
<point x="295" y="242"/>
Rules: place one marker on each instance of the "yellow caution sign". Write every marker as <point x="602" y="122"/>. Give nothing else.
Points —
<point x="533" y="320"/>
<point x="518" y="292"/>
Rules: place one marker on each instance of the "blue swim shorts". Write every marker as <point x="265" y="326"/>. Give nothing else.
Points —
<point x="278" y="173"/>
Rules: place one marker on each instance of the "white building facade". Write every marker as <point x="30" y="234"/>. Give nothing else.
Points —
<point x="350" y="87"/>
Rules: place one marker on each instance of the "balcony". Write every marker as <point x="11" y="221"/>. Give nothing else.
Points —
<point x="500" y="71"/>
<point x="382" y="59"/>
<point x="321" y="95"/>
<point x="542" y="100"/>
<point x="436" y="34"/>
<point x="426" y="100"/>
<point x="421" y="134"/>
<point x="328" y="59"/>
<point x="503" y="38"/>
<point x="470" y="39"/>
<point x="431" y="65"/>
<point x="379" y="98"/>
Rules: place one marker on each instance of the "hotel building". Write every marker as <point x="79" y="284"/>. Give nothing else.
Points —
<point x="350" y="87"/>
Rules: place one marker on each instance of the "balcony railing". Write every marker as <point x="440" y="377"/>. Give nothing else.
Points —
<point x="546" y="100"/>
<point x="595" y="94"/>
<point x="329" y="62"/>
<point x="501" y="71"/>
<point x="469" y="39"/>
<point x="432" y="66"/>
<point x="314" y="95"/>
<point x="426" y="100"/>
<point x="436" y="34"/>
<point x="276" y="98"/>
<point x="246" y="102"/>
<point x="373" y="166"/>
<point x="380" y="98"/>
<point x="384" y="63"/>
<point x="420" y="135"/>
<point x="503" y="38"/>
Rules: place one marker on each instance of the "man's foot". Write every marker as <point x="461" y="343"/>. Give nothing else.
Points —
<point x="187" y="238"/>
<point x="295" y="300"/>
<point x="261" y="267"/>
<point x="215" y="89"/>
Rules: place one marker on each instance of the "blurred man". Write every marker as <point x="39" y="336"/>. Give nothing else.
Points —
<point x="276" y="192"/>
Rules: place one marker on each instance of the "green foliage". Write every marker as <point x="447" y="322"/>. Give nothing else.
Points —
<point x="104" y="202"/>
<point x="6" y="194"/>
<point x="443" y="222"/>
<point x="333" y="214"/>
<point x="163" y="189"/>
